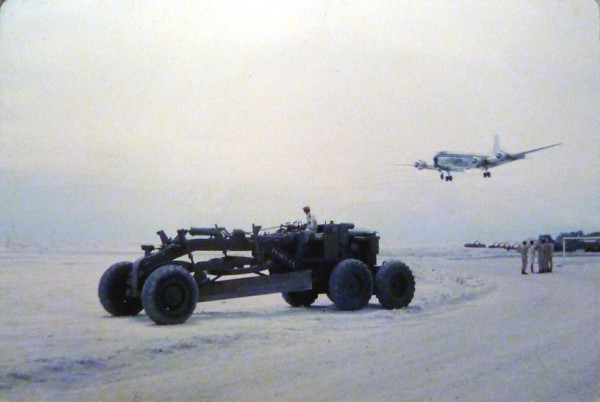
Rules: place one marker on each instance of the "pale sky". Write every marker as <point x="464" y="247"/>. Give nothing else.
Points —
<point x="120" y="118"/>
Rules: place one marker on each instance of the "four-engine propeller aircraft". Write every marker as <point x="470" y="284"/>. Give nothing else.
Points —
<point x="447" y="162"/>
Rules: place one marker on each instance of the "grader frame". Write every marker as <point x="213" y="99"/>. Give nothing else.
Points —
<point x="290" y="261"/>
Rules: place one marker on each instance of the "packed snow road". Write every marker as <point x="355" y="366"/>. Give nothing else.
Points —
<point x="476" y="330"/>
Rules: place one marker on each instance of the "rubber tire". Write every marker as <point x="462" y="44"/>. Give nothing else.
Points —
<point x="112" y="291"/>
<point x="351" y="285"/>
<point x="394" y="285"/>
<point x="302" y="298"/>
<point x="170" y="295"/>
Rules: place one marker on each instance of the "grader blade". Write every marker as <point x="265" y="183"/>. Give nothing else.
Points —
<point x="257" y="285"/>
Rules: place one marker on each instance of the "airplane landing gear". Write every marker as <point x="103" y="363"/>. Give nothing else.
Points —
<point x="487" y="174"/>
<point x="448" y="177"/>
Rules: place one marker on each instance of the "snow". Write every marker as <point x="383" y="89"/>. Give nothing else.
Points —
<point x="476" y="330"/>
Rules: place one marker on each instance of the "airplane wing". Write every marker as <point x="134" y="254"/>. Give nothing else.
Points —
<point x="502" y="157"/>
<point x="418" y="164"/>
<point x="424" y="165"/>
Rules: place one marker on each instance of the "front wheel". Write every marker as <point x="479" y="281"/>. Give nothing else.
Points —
<point x="170" y="295"/>
<point x="394" y="285"/>
<point x="113" y="291"/>
<point x="351" y="285"/>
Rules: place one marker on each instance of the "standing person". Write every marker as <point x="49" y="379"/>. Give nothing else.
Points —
<point x="531" y="254"/>
<point x="522" y="249"/>
<point x="549" y="251"/>
<point x="542" y="257"/>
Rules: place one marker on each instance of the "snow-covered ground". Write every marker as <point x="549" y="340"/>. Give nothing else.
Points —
<point x="476" y="330"/>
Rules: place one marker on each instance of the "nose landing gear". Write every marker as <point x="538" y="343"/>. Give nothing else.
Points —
<point x="448" y="176"/>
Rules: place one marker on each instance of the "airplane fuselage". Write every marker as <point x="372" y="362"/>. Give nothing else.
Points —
<point x="456" y="162"/>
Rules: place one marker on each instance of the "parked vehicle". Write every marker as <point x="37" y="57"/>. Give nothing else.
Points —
<point x="338" y="260"/>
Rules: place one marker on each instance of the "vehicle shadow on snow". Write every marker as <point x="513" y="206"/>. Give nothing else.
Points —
<point x="315" y="311"/>
<point x="436" y="290"/>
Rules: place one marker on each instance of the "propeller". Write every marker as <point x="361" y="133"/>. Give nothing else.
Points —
<point x="420" y="164"/>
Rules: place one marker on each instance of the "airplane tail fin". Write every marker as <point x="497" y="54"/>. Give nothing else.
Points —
<point x="497" y="144"/>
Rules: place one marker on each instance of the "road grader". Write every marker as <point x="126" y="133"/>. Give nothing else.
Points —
<point x="338" y="260"/>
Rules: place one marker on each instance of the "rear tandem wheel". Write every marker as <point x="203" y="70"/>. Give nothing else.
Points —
<point x="394" y="285"/>
<point x="351" y="285"/>
<point x="303" y="298"/>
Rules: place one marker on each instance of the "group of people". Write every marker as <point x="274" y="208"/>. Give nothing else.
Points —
<point x="543" y="250"/>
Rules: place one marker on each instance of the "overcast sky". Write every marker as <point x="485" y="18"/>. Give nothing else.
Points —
<point x="119" y="118"/>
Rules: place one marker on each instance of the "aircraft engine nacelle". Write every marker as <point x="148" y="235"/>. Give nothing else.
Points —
<point x="420" y="165"/>
<point x="475" y="161"/>
<point x="501" y="156"/>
